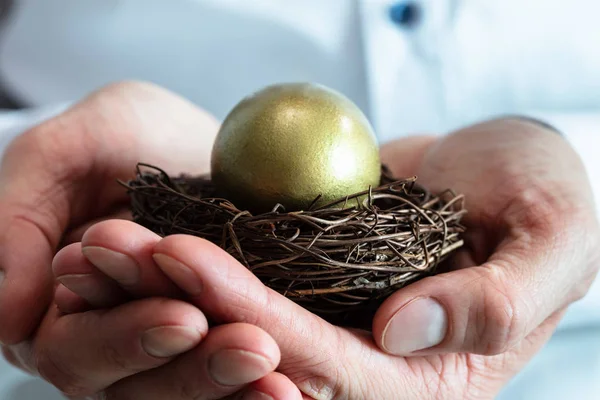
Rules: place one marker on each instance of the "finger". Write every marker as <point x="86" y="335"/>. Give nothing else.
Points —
<point x="63" y="172"/>
<point x="274" y="386"/>
<point x="69" y="302"/>
<point x="73" y="270"/>
<point x="83" y="353"/>
<point x="122" y="250"/>
<point x="123" y="265"/>
<point x="312" y="349"/>
<point x="229" y="358"/>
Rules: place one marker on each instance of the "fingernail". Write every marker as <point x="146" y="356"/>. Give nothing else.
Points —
<point x="420" y="324"/>
<point x="254" y="395"/>
<point x="237" y="367"/>
<point x="91" y="289"/>
<point x="181" y="274"/>
<point x="169" y="341"/>
<point x="118" y="266"/>
<point x="84" y="286"/>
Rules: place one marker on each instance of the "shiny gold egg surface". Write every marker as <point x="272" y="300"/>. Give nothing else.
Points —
<point x="290" y="143"/>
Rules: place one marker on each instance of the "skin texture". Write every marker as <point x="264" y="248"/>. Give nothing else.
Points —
<point x="530" y="209"/>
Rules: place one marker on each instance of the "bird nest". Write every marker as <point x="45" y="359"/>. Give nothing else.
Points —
<point x="339" y="260"/>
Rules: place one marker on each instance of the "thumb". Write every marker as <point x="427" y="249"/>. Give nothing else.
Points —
<point x="485" y="309"/>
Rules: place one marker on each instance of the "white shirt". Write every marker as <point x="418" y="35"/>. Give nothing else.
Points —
<point x="461" y="62"/>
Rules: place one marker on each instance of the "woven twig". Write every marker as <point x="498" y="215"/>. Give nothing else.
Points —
<point x="341" y="257"/>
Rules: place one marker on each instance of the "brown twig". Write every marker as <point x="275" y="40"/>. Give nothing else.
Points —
<point x="330" y="259"/>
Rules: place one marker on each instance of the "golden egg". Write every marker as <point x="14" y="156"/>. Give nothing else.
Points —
<point x="290" y="143"/>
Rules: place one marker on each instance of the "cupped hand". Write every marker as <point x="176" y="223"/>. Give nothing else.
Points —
<point x="58" y="179"/>
<point x="531" y="242"/>
<point x="531" y="250"/>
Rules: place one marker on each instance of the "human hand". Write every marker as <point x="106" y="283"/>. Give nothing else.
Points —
<point x="55" y="181"/>
<point x="530" y="251"/>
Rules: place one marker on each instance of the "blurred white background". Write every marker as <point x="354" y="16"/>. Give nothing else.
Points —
<point x="445" y="64"/>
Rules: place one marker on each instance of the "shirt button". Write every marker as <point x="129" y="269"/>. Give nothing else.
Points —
<point x="405" y="13"/>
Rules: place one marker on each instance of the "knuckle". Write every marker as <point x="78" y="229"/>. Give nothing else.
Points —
<point x="61" y="377"/>
<point x="534" y="207"/>
<point x="124" y="92"/>
<point x="189" y="390"/>
<point x="116" y="359"/>
<point x="323" y="386"/>
<point x="319" y="378"/>
<point x="184" y="386"/>
<point x="544" y="214"/>
<point x="131" y="87"/>
<point x="30" y="141"/>
<point x="499" y="319"/>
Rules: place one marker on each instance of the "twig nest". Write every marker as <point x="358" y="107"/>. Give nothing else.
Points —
<point x="292" y="143"/>
<point x="298" y="195"/>
<point x="337" y="262"/>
